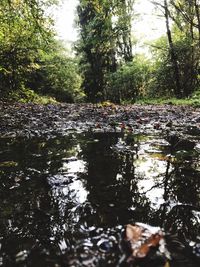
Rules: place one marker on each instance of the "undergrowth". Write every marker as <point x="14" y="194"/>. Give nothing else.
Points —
<point x="194" y="100"/>
<point x="27" y="95"/>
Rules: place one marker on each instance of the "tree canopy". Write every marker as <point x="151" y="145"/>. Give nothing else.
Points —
<point x="105" y="41"/>
<point x="104" y="65"/>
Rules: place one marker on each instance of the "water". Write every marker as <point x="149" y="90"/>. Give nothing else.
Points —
<point x="64" y="200"/>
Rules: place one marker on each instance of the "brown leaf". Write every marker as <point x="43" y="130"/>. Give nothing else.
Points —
<point x="141" y="240"/>
<point x="152" y="241"/>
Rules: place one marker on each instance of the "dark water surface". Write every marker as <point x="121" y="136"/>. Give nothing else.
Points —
<point x="64" y="201"/>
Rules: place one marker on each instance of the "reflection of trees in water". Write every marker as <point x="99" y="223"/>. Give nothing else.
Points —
<point x="182" y="202"/>
<point x="26" y="222"/>
<point x="115" y="197"/>
<point x="31" y="217"/>
<point x="37" y="214"/>
<point x="111" y="183"/>
<point x="180" y="212"/>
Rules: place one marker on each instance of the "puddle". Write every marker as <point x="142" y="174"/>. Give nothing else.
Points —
<point x="62" y="197"/>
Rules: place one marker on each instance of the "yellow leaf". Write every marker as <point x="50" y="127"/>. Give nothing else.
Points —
<point x="167" y="264"/>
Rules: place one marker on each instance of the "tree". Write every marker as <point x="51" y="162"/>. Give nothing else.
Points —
<point x="174" y="61"/>
<point x="173" y="55"/>
<point x="57" y="74"/>
<point x="130" y="81"/>
<point x="182" y="27"/>
<point x="188" y="24"/>
<point x="96" y="45"/>
<point x="24" y="30"/>
<point x="123" y="13"/>
<point x="162" y="82"/>
<point x="105" y="28"/>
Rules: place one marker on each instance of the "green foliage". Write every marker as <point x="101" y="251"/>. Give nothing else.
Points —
<point x="170" y="101"/>
<point x="105" y="28"/>
<point x="26" y="95"/>
<point x="163" y="81"/>
<point x="57" y="75"/>
<point x="109" y="70"/>
<point x="95" y="46"/>
<point x="33" y="63"/>
<point x="30" y="58"/>
<point x="23" y="31"/>
<point x="130" y="81"/>
<point x="177" y="57"/>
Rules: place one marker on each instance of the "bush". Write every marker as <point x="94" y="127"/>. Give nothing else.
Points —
<point x="129" y="82"/>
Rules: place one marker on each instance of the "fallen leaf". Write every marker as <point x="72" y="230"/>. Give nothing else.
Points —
<point x="167" y="264"/>
<point x="142" y="239"/>
<point x="153" y="241"/>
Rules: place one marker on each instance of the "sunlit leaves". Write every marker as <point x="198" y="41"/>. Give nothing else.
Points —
<point x="24" y="30"/>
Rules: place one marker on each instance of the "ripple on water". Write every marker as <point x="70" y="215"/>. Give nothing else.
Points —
<point x="82" y="187"/>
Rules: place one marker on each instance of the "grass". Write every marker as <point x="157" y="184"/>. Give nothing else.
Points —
<point x="194" y="101"/>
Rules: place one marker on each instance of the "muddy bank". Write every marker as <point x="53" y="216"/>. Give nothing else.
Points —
<point x="30" y="120"/>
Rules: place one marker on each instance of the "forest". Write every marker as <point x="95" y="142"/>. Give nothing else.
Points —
<point x="102" y="66"/>
<point x="99" y="140"/>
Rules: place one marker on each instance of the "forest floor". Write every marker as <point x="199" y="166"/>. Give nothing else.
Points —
<point x="45" y="167"/>
<point x="29" y="120"/>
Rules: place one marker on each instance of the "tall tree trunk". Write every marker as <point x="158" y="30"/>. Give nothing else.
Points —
<point x="197" y="11"/>
<point x="178" y="89"/>
<point x="198" y="17"/>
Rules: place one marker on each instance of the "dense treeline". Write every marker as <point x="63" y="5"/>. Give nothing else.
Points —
<point x="181" y="58"/>
<point x="110" y="69"/>
<point x="105" y="36"/>
<point x="104" y="66"/>
<point x="30" y="56"/>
